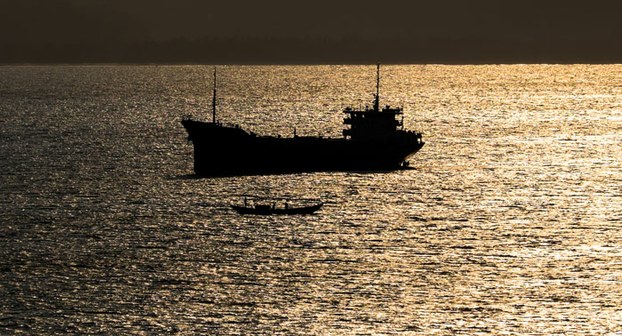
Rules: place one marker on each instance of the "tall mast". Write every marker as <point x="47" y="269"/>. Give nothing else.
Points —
<point x="377" y="100"/>
<point x="214" y="99"/>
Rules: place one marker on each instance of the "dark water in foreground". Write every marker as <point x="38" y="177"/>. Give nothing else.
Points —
<point x="509" y="223"/>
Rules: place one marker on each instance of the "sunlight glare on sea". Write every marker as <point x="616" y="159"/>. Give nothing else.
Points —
<point x="508" y="223"/>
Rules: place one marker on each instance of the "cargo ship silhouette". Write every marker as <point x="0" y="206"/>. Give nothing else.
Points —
<point x="373" y="140"/>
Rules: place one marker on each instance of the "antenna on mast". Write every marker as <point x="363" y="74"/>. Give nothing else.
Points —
<point x="214" y="99"/>
<point x="377" y="100"/>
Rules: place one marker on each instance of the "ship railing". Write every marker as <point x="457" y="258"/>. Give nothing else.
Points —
<point x="414" y="135"/>
<point x="232" y="125"/>
<point x="367" y="109"/>
<point x="219" y="123"/>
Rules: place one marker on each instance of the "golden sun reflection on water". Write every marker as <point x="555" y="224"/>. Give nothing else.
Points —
<point x="508" y="223"/>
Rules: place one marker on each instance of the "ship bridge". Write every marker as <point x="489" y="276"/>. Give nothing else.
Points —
<point x="372" y="123"/>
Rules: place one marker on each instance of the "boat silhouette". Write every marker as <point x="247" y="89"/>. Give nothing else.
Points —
<point x="374" y="140"/>
<point x="272" y="209"/>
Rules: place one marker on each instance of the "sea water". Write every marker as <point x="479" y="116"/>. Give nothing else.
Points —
<point x="508" y="223"/>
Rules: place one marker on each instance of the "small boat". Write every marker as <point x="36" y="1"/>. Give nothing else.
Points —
<point x="272" y="209"/>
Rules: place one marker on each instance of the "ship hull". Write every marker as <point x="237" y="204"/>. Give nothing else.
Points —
<point x="230" y="151"/>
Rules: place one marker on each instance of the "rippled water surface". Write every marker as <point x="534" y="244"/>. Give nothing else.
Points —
<point x="509" y="223"/>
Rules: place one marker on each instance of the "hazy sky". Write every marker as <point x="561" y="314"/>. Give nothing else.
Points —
<point x="388" y="30"/>
<point x="51" y="21"/>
